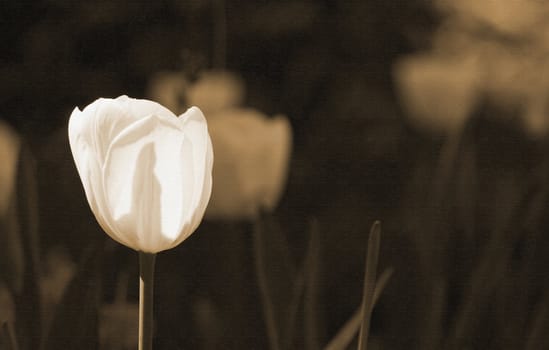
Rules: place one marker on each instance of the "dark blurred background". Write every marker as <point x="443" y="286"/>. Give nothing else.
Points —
<point x="425" y="115"/>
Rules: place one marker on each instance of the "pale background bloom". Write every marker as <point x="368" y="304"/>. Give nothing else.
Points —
<point x="12" y="259"/>
<point x="438" y="92"/>
<point x="252" y="159"/>
<point x="19" y="240"/>
<point x="9" y="154"/>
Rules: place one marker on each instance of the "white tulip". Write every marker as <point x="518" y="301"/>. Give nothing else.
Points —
<point x="146" y="172"/>
<point x="252" y="159"/>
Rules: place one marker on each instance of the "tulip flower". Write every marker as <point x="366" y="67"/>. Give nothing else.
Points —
<point x="147" y="175"/>
<point x="252" y="160"/>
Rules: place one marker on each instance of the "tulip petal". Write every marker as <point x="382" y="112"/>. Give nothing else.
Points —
<point x="99" y="123"/>
<point x="89" y="168"/>
<point x="144" y="215"/>
<point x="149" y="172"/>
<point x="105" y="118"/>
<point x="195" y="127"/>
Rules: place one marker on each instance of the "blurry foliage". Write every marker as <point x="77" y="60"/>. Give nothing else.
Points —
<point x="470" y="253"/>
<point x="473" y="210"/>
<point x="289" y="288"/>
<point x="75" y="320"/>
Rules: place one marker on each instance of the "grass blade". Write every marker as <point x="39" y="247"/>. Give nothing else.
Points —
<point x="262" y="278"/>
<point x="312" y="289"/>
<point x="348" y="331"/>
<point x="372" y="256"/>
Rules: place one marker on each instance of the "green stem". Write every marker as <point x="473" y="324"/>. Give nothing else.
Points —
<point x="146" y="285"/>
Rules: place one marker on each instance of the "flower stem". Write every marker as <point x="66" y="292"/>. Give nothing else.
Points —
<point x="372" y="255"/>
<point x="146" y="285"/>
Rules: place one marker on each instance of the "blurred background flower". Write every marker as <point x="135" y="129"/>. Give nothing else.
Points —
<point x="12" y="261"/>
<point x="9" y="153"/>
<point x="439" y="93"/>
<point x="21" y="317"/>
<point x="252" y="158"/>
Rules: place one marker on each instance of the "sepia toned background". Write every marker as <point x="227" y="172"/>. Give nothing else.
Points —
<point x="430" y="116"/>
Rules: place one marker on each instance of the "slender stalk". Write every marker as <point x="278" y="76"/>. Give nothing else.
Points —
<point x="11" y="337"/>
<point x="311" y="295"/>
<point x="146" y="285"/>
<point x="372" y="255"/>
<point x="266" y="298"/>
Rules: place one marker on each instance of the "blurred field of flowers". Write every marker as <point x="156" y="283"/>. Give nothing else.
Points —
<point x="325" y="116"/>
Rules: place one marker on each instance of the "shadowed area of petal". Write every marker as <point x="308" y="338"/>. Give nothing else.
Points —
<point x="144" y="215"/>
<point x="149" y="173"/>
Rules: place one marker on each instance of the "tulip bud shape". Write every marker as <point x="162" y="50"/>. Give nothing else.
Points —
<point x="252" y="160"/>
<point x="438" y="94"/>
<point x="146" y="173"/>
